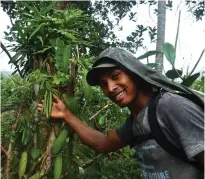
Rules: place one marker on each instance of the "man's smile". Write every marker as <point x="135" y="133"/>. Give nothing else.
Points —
<point x="118" y="96"/>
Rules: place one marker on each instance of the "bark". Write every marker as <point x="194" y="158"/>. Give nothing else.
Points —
<point x="36" y="119"/>
<point x="177" y="34"/>
<point x="160" y="33"/>
<point x="9" y="152"/>
<point x="8" y="162"/>
<point x="46" y="161"/>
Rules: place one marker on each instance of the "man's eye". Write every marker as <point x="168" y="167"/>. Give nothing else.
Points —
<point x="115" y="76"/>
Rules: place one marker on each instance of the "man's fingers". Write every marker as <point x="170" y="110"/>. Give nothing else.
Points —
<point x="56" y="98"/>
<point x="40" y="105"/>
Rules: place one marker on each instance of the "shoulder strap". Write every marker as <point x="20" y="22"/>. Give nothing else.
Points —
<point x="159" y="135"/>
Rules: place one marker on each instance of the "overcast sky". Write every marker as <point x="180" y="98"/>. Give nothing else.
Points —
<point x="191" y="35"/>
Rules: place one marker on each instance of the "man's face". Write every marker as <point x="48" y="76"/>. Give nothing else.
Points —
<point x="118" y="86"/>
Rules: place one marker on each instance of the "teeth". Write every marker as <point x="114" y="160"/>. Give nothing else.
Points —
<point x="119" y="95"/>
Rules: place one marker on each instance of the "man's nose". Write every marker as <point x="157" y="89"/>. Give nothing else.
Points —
<point x="111" y="86"/>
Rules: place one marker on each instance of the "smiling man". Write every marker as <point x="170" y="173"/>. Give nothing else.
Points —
<point x="151" y="99"/>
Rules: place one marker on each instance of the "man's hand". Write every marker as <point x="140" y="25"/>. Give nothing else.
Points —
<point x="58" y="109"/>
<point x="88" y="135"/>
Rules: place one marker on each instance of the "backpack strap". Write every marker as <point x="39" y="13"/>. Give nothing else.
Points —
<point x="159" y="135"/>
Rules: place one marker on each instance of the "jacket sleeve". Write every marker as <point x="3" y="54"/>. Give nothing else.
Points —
<point x="185" y="121"/>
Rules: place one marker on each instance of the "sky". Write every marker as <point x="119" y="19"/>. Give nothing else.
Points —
<point x="191" y="39"/>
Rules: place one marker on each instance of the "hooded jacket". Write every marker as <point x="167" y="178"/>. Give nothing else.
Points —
<point x="148" y="74"/>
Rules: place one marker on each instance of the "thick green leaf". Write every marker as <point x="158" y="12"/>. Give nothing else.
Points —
<point x="172" y="74"/>
<point x="27" y="134"/>
<point x="58" y="58"/>
<point x="71" y="103"/>
<point x="101" y="120"/>
<point x="169" y="52"/>
<point x="59" y="43"/>
<point x="190" y="80"/>
<point x="50" y="7"/>
<point x="152" y="65"/>
<point x="66" y="58"/>
<point x="147" y="54"/>
<point x="86" y="87"/>
<point x="52" y="42"/>
<point x="48" y="86"/>
<point x="37" y="29"/>
<point x="35" y="152"/>
<point x="40" y="38"/>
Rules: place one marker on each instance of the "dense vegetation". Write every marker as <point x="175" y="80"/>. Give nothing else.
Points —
<point x="55" y="45"/>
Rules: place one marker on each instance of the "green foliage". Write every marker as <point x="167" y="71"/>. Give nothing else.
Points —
<point x="187" y="80"/>
<point x="196" y="8"/>
<point x="43" y="38"/>
<point x="148" y="54"/>
<point x="32" y="135"/>
<point x="198" y="85"/>
<point x="27" y="134"/>
<point x="14" y="88"/>
<point x="61" y="45"/>
<point x="35" y="153"/>
<point x="86" y="88"/>
<point x="169" y="52"/>
<point x="23" y="164"/>
<point x="58" y="167"/>
<point x="190" y="79"/>
<point x="117" y="166"/>
<point x="172" y="74"/>
<point x="59" y="141"/>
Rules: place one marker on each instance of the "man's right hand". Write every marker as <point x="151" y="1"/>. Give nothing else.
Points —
<point x="91" y="137"/>
<point x="58" y="109"/>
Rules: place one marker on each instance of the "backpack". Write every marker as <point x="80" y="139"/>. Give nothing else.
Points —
<point x="158" y="135"/>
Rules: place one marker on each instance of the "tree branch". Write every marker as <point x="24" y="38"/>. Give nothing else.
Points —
<point x="89" y="162"/>
<point x="9" y="155"/>
<point x="5" y="50"/>
<point x="99" y="112"/>
<point x="177" y="34"/>
<point x="3" y="150"/>
<point x="9" y="55"/>
<point x="202" y="53"/>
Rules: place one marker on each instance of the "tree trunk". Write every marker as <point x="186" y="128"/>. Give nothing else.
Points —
<point x="160" y="33"/>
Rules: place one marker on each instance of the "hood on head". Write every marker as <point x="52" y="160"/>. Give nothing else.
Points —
<point x="122" y="57"/>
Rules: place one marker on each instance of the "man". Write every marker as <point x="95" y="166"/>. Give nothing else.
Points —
<point x="129" y="83"/>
